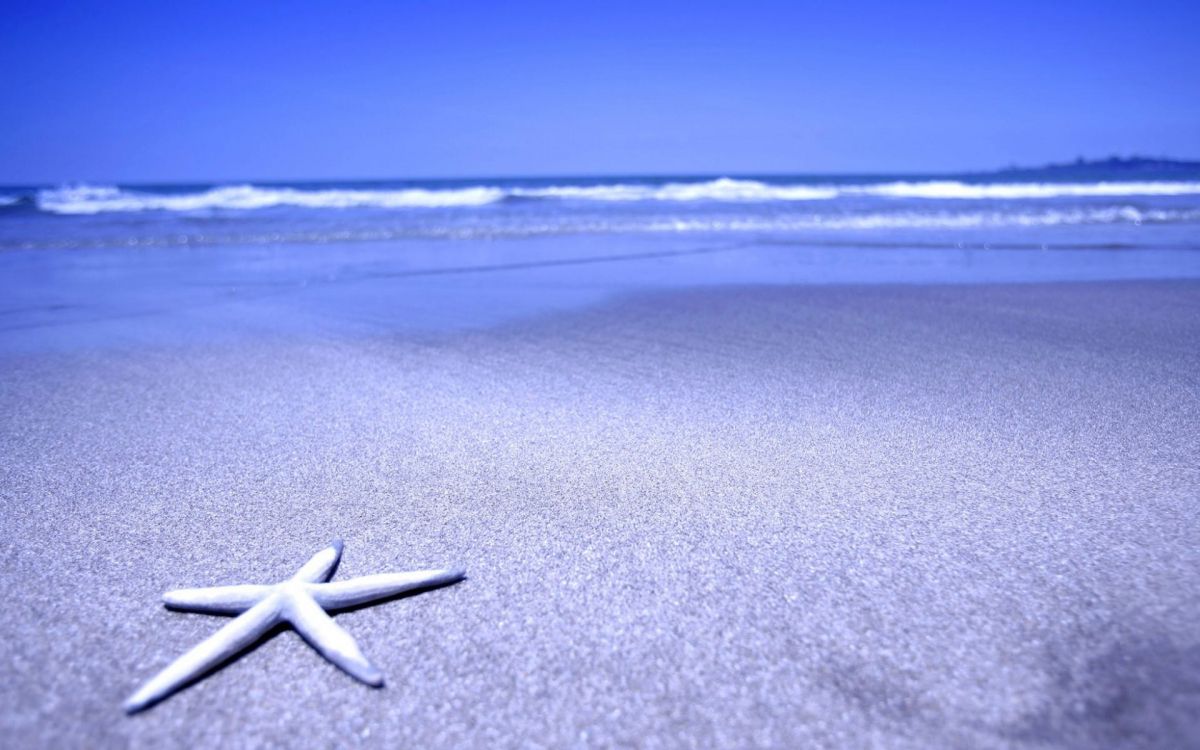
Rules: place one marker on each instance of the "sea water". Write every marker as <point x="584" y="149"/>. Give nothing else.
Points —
<point x="96" y="263"/>
<point x="1113" y="211"/>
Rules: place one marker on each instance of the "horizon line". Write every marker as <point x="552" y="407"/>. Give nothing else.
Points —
<point x="1013" y="167"/>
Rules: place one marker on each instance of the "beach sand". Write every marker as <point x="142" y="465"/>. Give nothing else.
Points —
<point x="792" y="516"/>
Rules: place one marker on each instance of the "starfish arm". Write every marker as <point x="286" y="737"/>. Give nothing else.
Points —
<point x="321" y="565"/>
<point x="222" y="645"/>
<point x="357" y="591"/>
<point x="327" y="637"/>
<point x="224" y="600"/>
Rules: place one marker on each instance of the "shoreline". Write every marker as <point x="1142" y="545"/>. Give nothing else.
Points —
<point x="106" y="298"/>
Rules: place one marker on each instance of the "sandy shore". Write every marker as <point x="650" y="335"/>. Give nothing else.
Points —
<point x="927" y="516"/>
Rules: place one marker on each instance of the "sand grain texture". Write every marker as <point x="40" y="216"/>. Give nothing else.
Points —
<point x="793" y="517"/>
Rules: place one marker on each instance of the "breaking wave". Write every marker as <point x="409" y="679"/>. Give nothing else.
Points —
<point x="86" y="199"/>
<point x="950" y="189"/>
<point x="89" y="199"/>
<point x="724" y="189"/>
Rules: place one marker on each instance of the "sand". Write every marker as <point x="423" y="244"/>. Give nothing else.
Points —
<point x="794" y="516"/>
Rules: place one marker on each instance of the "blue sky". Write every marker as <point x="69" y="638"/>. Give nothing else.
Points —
<point x="178" y="91"/>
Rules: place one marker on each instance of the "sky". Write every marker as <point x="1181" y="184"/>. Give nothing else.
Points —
<point x="204" y="91"/>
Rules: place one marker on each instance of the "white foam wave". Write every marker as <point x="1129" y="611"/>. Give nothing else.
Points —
<point x="85" y="199"/>
<point x="754" y="191"/>
<point x="723" y="189"/>
<point x="8" y="200"/>
<point x="949" y="189"/>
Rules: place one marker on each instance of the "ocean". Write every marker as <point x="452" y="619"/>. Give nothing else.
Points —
<point x="1105" y="210"/>
<point x="129" y="265"/>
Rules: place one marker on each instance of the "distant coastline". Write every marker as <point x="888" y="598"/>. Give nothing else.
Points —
<point x="1131" y="166"/>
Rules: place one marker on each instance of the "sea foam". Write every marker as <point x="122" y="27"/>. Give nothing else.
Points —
<point x="91" y="199"/>
<point x="950" y="189"/>
<point x="723" y="189"/>
<point x="88" y="199"/>
<point x="727" y="221"/>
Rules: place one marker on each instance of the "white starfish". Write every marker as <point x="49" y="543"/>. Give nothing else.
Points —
<point x="301" y="601"/>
